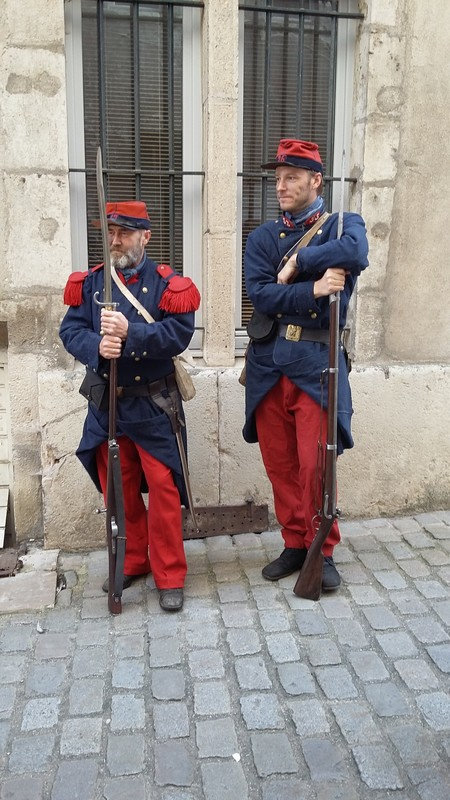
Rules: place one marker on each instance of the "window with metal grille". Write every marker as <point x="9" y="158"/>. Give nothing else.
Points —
<point x="292" y="54"/>
<point x="136" y="84"/>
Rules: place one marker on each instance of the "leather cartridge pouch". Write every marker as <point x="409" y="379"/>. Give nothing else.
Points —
<point x="95" y="389"/>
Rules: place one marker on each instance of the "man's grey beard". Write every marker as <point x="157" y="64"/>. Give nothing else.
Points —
<point x="129" y="259"/>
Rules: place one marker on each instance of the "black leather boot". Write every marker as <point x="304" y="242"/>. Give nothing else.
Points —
<point x="291" y="560"/>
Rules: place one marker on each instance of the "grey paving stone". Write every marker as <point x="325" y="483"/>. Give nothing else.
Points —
<point x="174" y="763"/>
<point x="124" y="788"/>
<point x="32" y="753"/>
<point x="17" y="638"/>
<point x="224" y="781"/>
<point x="86" y="696"/>
<point x="75" y="779"/>
<point x="399" y="550"/>
<point x="204" y="664"/>
<point x="128" y="711"/>
<point x="165" y="653"/>
<point x="381" y="618"/>
<point x="5" y="726"/>
<point x="59" y="620"/>
<point x="414" y="744"/>
<point x="53" y="645"/>
<point x="282" y="647"/>
<point x="427" y="518"/>
<point x="432" y="782"/>
<point x="94" y="608"/>
<point x="427" y="630"/>
<point x="309" y="717"/>
<point x="366" y="542"/>
<point x="368" y="666"/>
<point x="391" y="579"/>
<point x="311" y="623"/>
<point x="353" y="573"/>
<point x="12" y="667"/>
<point x="92" y="633"/>
<point x="387" y="699"/>
<point x="438" y="531"/>
<point x="328" y="791"/>
<point x="336" y="607"/>
<point x="365" y="595"/>
<point x="201" y="635"/>
<point x="216" y="738"/>
<point x="45" y="678"/>
<point x="287" y="788"/>
<point x="336" y="682"/>
<point x="396" y="644"/>
<point x="268" y="596"/>
<point x="168" y="684"/>
<point x="376" y="561"/>
<point x="41" y="712"/>
<point x="418" y="539"/>
<point x="441" y="656"/>
<point x="408" y="602"/>
<point x="376" y="523"/>
<point x="274" y="620"/>
<point x="170" y="720"/>
<point x="272" y="753"/>
<point x="322" y="651"/>
<point x="431" y="589"/>
<point x="128" y="673"/>
<point x="243" y="642"/>
<point x="22" y="788"/>
<point x="356" y="722"/>
<point x="129" y="645"/>
<point x="349" y="632"/>
<point x="296" y="679"/>
<point x="90" y="661"/>
<point x="251" y="673"/>
<point x="81" y="736"/>
<point x="237" y="615"/>
<point x="406" y="524"/>
<point x="326" y="762"/>
<point x="232" y="593"/>
<point x="161" y="626"/>
<point x="435" y="708"/>
<point x="7" y="701"/>
<point x="416" y="673"/>
<point x="261" y="711"/>
<point x="343" y="555"/>
<point x="211" y="697"/>
<point x="415" y="568"/>
<point x="125" y="754"/>
<point x="376" y="767"/>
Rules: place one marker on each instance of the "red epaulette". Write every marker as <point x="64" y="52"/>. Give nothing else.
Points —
<point x="181" y="294"/>
<point x="73" y="293"/>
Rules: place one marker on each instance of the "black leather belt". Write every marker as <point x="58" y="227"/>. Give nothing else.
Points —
<point x="296" y="333"/>
<point x="155" y="387"/>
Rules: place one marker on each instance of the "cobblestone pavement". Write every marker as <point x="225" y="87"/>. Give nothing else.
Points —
<point x="250" y="693"/>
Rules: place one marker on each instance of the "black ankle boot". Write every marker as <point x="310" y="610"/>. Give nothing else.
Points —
<point x="290" y="560"/>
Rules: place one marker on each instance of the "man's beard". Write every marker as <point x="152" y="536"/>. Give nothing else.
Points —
<point x="128" y="259"/>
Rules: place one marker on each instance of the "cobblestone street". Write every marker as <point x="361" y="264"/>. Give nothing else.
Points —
<point x="249" y="693"/>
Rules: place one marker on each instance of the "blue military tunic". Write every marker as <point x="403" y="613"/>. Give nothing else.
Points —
<point x="146" y="356"/>
<point x="302" y="362"/>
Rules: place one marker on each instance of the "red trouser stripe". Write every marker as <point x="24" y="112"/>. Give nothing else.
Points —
<point x="154" y="537"/>
<point x="288" y="425"/>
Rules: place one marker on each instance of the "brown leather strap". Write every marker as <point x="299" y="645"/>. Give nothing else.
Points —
<point x="304" y="241"/>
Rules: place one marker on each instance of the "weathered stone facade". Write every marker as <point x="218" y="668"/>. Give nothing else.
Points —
<point x="400" y="156"/>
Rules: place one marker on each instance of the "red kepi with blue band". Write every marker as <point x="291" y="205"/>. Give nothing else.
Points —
<point x="148" y="452"/>
<point x="285" y="395"/>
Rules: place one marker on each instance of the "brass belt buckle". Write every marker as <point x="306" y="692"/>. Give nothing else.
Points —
<point x="293" y="333"/>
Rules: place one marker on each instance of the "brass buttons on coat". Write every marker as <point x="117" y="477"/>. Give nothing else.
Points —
<point x="313" y="315"/>
<point x="144" y="289"/>
<point x="137" y="377"/>
<point x="282" y="235"/>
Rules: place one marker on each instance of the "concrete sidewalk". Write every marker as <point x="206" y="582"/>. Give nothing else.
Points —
<point x="250" y="693"/>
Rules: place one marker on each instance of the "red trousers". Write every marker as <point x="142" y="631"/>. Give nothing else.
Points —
<point x="154" y="537"/>
<point x="288" y="425"/>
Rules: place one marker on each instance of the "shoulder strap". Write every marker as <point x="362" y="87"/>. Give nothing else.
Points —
<point x="304" y="241"/>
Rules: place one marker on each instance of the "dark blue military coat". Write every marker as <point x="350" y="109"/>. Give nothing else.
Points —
<point x="302" y="362"/>
<point x="146" y="356"/>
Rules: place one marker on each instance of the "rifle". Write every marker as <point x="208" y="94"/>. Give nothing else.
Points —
<point x="309" y="582"/>
<point x="115" y="509"/>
